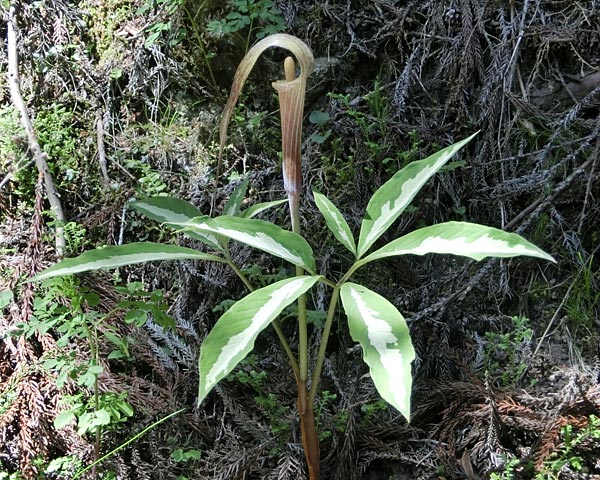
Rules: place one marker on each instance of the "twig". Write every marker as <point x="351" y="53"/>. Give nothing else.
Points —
<point x="13" y="172"/>
<point x="101" y="149"/>
<point x="514" y="59"/>
<point x="588" y="189"/>
<point x="39" y="156"/>
<point x="551" y="323"/>
<point x="542" y="202"/>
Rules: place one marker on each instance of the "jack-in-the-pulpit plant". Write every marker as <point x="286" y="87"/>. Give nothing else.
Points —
<point x="373" y="321"/>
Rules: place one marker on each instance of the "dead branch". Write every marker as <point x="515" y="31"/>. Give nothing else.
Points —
<point x="39" y="156"/>
<point x="101" y="149"/>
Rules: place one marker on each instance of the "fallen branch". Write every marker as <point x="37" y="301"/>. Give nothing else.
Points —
<point x="39" y="156"/>
<point x="101" y="149"/>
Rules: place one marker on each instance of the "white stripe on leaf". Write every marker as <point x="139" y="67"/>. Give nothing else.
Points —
<point x="233" y="336"/>
<point x="382" y="332"/>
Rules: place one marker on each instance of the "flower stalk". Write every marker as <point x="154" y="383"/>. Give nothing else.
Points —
<point x="291" y="92"/>
<point x="291" y="100"/>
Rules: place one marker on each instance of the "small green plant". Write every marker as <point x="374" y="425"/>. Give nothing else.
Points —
<point x="319" y="119"/>
<point x="566" y="457"/>
<point x="267" y="402"/>
<point x="9" y="476"/>
<point x="374" y="409"/>
<point x="70" y="310"/>
<point x="379" y="105"/>
<point x="508" y="472"/>
<point x="182" y="456"/>
<point x="259" y="17"/>
<point x="150" y="181"/>
<point x="157" y="29"/>
<point x="75" y="235"/>
<point x="107" y="410"/>
<point x="58" y="136"/>
<point x="503" y="356"/>
<point x="6" y="297"/>
<point x="325" y="400"/>
<point x="583" y="301"/>
<point x="374" y="322"/>
<point x="12" y="142"/>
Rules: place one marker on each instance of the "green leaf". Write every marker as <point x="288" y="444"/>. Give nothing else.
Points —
<point x="258" y="234"/>
<point x="5" y="298"/>
<point x="318" y="118"/>
<point x="63" y="419"/>
<point x="125" y="408"/>
<point x="121" y="255"/>
<point x="95" y="369"/>
<point x="381" y="331"/>
<point x="102" y="417"/>
<point x="233" y="205"/>
<point x="177" y="455"/>
<point x="137" y="316"/>
<point x="460" y="238"/>
<point x="254" y="210"/>
<point x="170" y="210"/>
<point x="395" y="195"/>
<point x="335" y="221"/>
<point x="233" y="336"/>
<point x="453" y="165"/>
<point x="116" y="355"/>
<point x="315" y="137"/>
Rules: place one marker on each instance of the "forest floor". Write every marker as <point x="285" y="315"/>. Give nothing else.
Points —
<point x="126" y="98"/>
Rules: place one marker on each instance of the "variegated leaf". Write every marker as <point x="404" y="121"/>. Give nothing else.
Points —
<point x="390" y="200"/>
<point x="171" y="209"/>
<point x="335" y="221"/>
<point x="381" y="331"/>
<point x="460" y="238"/>
<point x="234" y="334"/>
<point x="258" y="234"/>
<point x="121" y="255"/>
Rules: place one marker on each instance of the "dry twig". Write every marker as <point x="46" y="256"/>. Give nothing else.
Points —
<point x="39" y="155"/>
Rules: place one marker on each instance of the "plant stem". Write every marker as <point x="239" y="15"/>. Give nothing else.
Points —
<point x="239" y="273"/>
<point x="310" y="439"/>
<point x="302" y="332"/>
<point x="98" y="427"/>
<point x="200" y="42"/>
<point x="284" y="343"/>
<point x="286" y="347"/>
<point x="123" y="445"/>
<point x="250" y="29"/>
<point x="93" y="344"/>
<point x="323" y="345"/>
<point x="316" y="377"/>
<point x="291" y="125"/>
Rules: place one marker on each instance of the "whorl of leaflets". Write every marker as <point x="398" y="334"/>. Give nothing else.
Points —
<point x="373" y="321"/>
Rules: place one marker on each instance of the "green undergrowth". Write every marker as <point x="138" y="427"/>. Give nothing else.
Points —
<point x="507" y="354"/>
<point x="566" y="461"/>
